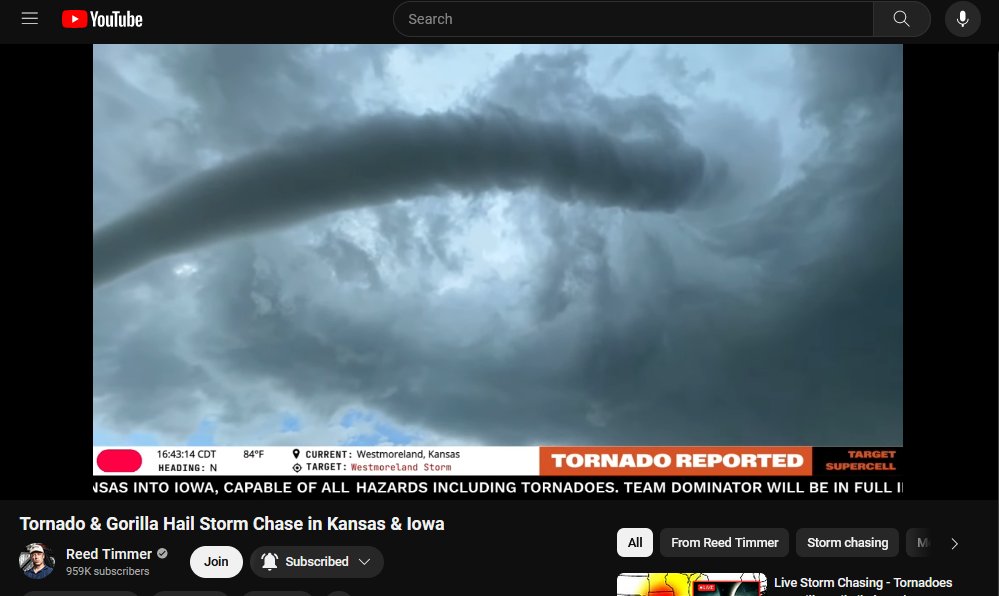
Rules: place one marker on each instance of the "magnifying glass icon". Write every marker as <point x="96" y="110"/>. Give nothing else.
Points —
<point x="901" y="18"/>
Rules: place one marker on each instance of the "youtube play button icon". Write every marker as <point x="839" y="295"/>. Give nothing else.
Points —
<point x="74" y="19"/>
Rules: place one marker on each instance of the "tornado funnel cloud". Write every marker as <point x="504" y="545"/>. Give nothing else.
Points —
<point x="397" y="156"/>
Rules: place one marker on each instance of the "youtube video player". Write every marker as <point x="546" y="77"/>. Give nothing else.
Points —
<point x="641" y="299"/>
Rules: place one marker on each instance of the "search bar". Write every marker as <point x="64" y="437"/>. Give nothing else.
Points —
<point x="681" y="18"/>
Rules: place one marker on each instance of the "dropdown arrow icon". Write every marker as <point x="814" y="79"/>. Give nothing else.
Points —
<point x="364" y="561"/>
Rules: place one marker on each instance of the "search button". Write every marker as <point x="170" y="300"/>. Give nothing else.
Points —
<point x="900" y="19"/>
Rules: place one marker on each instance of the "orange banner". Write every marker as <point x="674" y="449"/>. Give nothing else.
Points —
<point x="676" y="461"/>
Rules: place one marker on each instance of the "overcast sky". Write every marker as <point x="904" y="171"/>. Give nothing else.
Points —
<point x="497" y="245"/>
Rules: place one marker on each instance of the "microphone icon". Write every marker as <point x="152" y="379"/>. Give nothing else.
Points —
<point x="963" y="19"/>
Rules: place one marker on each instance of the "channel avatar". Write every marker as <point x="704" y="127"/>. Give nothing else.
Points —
<point x="37" y="561"/>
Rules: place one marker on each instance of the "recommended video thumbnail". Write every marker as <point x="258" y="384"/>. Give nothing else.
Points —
<point x="497" y="245"/>
<point x="691" y="584"/>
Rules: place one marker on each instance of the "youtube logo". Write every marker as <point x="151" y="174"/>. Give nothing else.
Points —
<point x="74" y="19"/>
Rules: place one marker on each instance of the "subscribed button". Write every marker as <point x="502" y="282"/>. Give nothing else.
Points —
<point x="216" y="562"/>
<point x="329" y="562"/>
<point x="119" y="460"/>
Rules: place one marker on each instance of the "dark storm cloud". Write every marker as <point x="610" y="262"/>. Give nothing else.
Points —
<point x="832" y="244"/>
<point x="397" y="156"/>
<point x="549" y="86"/>
<point x="209" y="101"/>
<point x="809" y="351"/>
<point x="839" y="92"/>
<point x="244" y="95"/>
<point x="554" y="87"/>
<point x="778" y="322"/>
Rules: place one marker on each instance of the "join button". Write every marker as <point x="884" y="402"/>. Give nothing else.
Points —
<point x="216" y="562"/>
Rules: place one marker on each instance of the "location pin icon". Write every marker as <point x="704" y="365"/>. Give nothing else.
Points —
<point x="295" y="452"/>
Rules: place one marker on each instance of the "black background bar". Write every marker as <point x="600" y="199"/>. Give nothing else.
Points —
<point x="712" y="18"/>
<point x="379" y="21"/>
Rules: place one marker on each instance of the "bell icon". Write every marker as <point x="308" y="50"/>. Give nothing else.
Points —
<point x="270" y="561"/>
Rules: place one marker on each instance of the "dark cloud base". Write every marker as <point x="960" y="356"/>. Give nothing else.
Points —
<point x="396" y="156"/>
